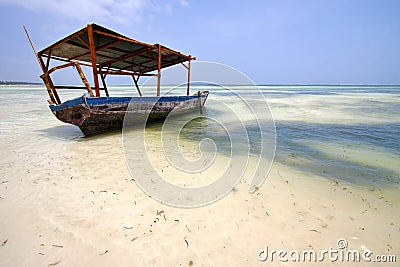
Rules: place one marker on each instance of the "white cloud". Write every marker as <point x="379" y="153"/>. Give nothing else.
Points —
<point x="184" y="2"/>
<point x="120" y="11"/>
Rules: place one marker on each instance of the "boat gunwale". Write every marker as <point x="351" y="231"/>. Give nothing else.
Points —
<point x="115" y="100"/>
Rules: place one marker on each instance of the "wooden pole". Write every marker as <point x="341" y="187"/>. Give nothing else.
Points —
<point x="50" y="83"/>
<point x="188" y="82"/>
<point x="93" y="55"/>
<point x="136" y="83"/>
<point x="200" y="104"/>
<point x="48" y="60"/>
<point x="52" y="87"/>
<point x="84" y="80"/>
<point x="47" y="73"/>
<point x="103" y="80"/>
<point x="159" y="71"/>
<point x="47" y="81"/>
<point x="49" y="90"/>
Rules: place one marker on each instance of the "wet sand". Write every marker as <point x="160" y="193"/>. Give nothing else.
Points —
<point x="70" y="209"/>
<point x="68" y="201"/>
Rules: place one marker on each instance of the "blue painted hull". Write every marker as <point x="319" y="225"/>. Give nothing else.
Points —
<point x="94" y="115"/>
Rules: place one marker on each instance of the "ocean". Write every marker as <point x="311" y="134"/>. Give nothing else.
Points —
<point x="346" y="133"/>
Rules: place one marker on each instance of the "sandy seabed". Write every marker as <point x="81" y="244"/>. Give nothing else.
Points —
<point x="70" y="210"/>
<point x="71" y="201"/>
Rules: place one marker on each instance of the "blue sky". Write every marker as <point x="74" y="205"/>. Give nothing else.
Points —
<point x="271" y="41"/>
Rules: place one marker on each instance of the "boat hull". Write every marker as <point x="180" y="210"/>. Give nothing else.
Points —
<point x="95" y="115"/>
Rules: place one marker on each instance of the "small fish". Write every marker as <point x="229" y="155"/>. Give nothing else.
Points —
<point x="58" y="246"/>
<point x="5" y="241"/>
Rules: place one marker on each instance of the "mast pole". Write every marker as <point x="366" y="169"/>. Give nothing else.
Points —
<point x="47" y="80"/>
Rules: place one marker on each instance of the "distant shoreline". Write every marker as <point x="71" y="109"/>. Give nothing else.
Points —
<point x="327" y="85"/>
<point x="18" y="83"/>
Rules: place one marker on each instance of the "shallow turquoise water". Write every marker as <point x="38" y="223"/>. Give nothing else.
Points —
<point x="346" y="133"/>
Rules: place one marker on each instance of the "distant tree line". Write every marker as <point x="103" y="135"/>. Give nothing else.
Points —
<point x="17" y="83"/>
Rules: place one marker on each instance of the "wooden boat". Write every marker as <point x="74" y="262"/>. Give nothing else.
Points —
<point x="109" y="53"/>
<point x="95" y="115"/>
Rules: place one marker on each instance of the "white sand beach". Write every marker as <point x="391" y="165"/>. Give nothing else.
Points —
<point x="71" y="201"/>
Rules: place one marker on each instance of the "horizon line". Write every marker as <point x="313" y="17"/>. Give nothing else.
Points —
<point x="3" y="82"/>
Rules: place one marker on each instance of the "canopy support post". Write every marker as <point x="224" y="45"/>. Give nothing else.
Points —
<point x="136" y="83"/>
<point x="54" y="98"/>
<point x="93" y="55"/>
<point x="83" y="78"/>
<point x="49" y="84"/>
<point x="159" y="71"/>
<point x="103" y="80"/>
<point x="48" y="61"/>
<point x="199" y="93"/>
<point x="188" y="81"/>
